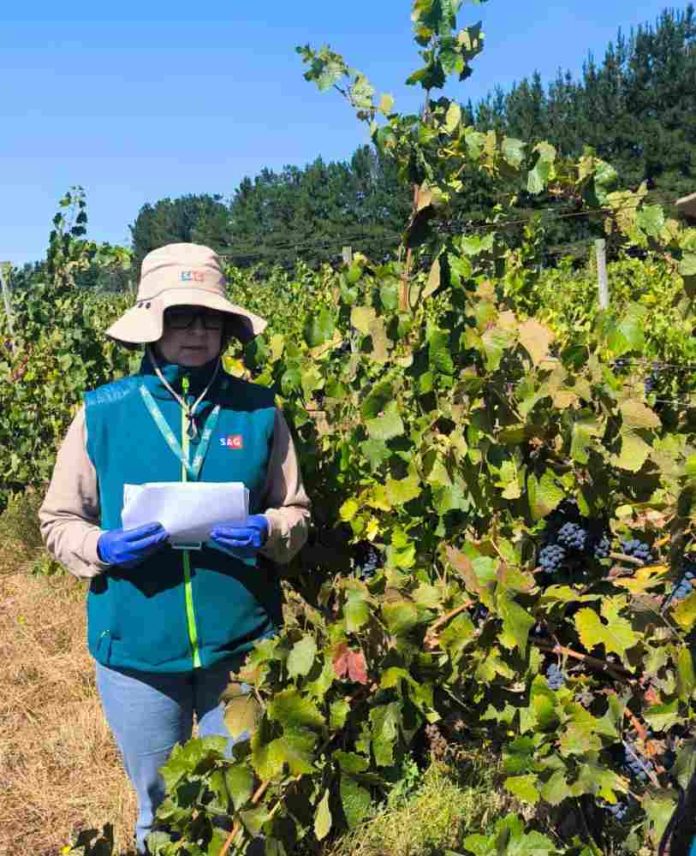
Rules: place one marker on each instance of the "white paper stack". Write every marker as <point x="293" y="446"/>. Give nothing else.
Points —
<point x="187" y="510"/>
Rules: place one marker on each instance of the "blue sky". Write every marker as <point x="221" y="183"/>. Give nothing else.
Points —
<point x="141" y="100"/>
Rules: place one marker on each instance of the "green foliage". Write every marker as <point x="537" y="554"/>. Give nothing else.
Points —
<point x="566" y="300"/>
<point x="312" y="212"/>
<point x="57" y="350"/>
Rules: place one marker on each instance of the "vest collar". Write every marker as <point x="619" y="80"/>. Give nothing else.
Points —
<point x="198" y="378"/>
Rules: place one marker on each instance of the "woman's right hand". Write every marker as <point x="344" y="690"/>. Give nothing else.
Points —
<point x="129" y="547"/>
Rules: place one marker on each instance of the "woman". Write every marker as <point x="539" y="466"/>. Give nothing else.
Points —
<point x="166" y="626"/>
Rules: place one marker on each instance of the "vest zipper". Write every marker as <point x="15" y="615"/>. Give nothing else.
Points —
<point x="188" y="591"/>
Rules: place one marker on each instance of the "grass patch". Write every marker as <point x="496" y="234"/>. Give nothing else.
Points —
<point x="21" y="547"/>
<point x="445" y="807"/>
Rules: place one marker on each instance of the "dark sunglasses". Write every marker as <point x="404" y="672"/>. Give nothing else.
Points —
<point x="182" y="319"/>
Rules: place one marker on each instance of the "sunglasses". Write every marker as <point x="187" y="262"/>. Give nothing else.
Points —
<point x="182" y="319"/>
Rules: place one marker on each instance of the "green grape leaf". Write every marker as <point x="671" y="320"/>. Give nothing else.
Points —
<point x="628" y="332"/>
<point x="387" y="425"/>
<point x="400" y="616"/>
<point x="513" y="151"/>
<point x="517" y="623"/>
<point x="361" y="317"/>
<point x="617" y="636"/>
<point x="319" y="328"/>
<point x="356" y="610"/>
<point x="401" y="491"/>
<point x="439" y="351"/>
<point x="322" y="818"/>
<point x="301" y="657"/>
<point x="384" y="721"/>
<point x="523" y="787"/>
<point x="355" y="801"/>
<point x="662" y="716"/>
<point x="685" y="612"/>
<point x="294" y="711"/>
<point x="240" y="784"/>
<point x="634" y="452"/>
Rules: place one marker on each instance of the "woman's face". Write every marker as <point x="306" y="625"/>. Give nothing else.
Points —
<point x="192" y="335"/>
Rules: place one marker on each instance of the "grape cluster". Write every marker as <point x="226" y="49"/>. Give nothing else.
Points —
<point x="638" y="550"/>
<point x="637" y="766"/>
<point x="617" y="810"/>
<point x="367" y="562"/>
<point x="539" y="631"/>
<point x="551" y="558"/>
<point x="555" y="677"/>
<point x="686" y="584"/>
<point x="602" y="547"/>
<point x="479" y="614"/>
<point x="572" y="536"/>
<point x="619" y="364"/>
<point x="652" y="380"/>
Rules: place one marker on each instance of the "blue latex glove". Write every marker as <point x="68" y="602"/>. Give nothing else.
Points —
<point x="242" y="539"/>
<point x="129" y="547"/>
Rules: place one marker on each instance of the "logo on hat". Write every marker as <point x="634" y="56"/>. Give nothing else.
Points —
<point x="232" y="441"/>
<point x="192" y="276"/>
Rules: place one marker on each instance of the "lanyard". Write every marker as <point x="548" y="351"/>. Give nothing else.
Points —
<point x="193" y="469"/>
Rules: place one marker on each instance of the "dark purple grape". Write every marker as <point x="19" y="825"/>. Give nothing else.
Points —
<point x="555" y="677"/>
<point x="686" y="584"/>
<point x="637" y="550"/>
<point x="551" y="558"/>
<point x="480" y="614"/>
<point x="572" y="536"/>
<point x="636" y="765"/>
<point x="602" y="548"/>
<point x="367" y="561"/>
<point x="618" y="810"/>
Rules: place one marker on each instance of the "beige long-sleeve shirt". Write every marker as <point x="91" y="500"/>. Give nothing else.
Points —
<point x="69" y="516"/>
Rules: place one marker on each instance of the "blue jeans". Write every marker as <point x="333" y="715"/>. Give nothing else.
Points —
<point x="149" y="713"/>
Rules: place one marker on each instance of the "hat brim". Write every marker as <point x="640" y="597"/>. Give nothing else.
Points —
<point x="144" y="323"/>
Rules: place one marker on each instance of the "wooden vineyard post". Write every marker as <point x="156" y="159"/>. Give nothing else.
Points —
<point x="602" y="279"/>
<point x="6" y="299"/>
<point x="347" y="254"/>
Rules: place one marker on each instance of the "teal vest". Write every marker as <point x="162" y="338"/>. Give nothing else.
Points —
<point x="179" y="610"/>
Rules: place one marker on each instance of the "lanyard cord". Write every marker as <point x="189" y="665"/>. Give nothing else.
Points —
<point x="189" y="410"/>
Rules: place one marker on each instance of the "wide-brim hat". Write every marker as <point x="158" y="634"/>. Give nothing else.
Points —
<point x="180" y="275"/>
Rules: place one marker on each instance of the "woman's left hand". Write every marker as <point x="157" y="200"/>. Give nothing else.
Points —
<point x="246" y="538"/>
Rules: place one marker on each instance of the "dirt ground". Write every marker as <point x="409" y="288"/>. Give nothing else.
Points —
<point x="59" y="767"/>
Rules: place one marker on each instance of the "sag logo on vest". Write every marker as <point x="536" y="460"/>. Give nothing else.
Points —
<point x="232" y="441"/>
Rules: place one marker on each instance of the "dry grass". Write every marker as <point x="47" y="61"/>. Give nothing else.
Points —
<point x="59" y="767"/>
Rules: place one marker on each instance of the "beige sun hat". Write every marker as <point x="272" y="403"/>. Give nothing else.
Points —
<point x="180" y="275"/>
